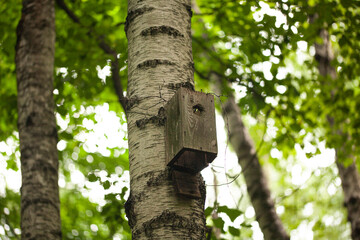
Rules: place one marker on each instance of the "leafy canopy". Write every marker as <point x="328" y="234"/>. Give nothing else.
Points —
<point x="264" y="49"/>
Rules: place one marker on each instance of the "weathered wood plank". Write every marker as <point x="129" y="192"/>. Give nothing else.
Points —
<point x="190" y="130"/>
<point x="186" y="184"/>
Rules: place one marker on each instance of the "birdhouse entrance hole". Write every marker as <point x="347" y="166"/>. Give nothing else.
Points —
<point x="198" y="109"/>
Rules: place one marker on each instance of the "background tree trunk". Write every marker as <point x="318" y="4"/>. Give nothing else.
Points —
<point x="159" y="62"/>
<point x="40" y="205"/>
<point x="256" y="182"/>
<point x="350" y="178"/>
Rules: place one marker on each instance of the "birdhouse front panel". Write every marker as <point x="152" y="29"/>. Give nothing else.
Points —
<point x="190" y="130"/>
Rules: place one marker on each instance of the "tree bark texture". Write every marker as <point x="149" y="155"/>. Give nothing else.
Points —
<point x="256" y="182"/>
<point x="160" y="61"/>
<point x="35" y="47"/>
<point x="349" y="175"/>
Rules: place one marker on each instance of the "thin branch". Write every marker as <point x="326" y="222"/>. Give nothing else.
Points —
<point x="209" y="51"/>
<point x="294" y="190"/>
<point x="119" y="24"/>
<point x="72" y="15"/>
<point x="253" y="90"/>
<point x="203" y="14"/>
<point x="252" y="157"/>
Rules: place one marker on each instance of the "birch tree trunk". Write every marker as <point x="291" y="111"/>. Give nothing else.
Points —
<point x="40" y="205"/>
<point x="256" y="182"/>
<point x="160" y="61"/>
<point x="350" y="178"/>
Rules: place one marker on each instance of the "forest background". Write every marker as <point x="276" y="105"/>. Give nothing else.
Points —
<point x="265" y="52"/>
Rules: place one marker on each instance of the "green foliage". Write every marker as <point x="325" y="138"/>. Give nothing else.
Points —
<point x="10" y="214"/>
<point x="241" y="41"/>
<point x="232" y="213"/>
<point x="9" y="17"/>
<point x="114" y="213"/>
<point x="272" y="61"/>
<point x="78" y="56"/>
<point x="82" y="219"/>
<point x="267" y="56"/>
<point x="216" y="222"/>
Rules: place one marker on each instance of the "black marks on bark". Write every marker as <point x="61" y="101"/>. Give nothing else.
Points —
<point x="19" y="31"/>
<point x="57" y="234"/>
<point x="31" y="80"/>
<point x="41" y="167"/>
<point x="202" y="188"/>
<point x="134" y="14"/>
<point x="37" y="130"/>
<point x="158" y="120"/>
<point x="188" y="9"/>
<point x="154" y="63"/>
<point x="43" y="235"/>
<point x="167" y="219"/>
<point x="191" y="65"/>
<point x="152" y="31"/>
<point x="162" y="115"/>
<point x="130" y="208"/>
<point x="190" y="13"/>
<point x="164" y="218"/>
<point x="159" y="179"/>
<point x="30" y="119"/>
<point x="54" y="133"/>
<point x="352" y="201"/>
<point x="149" y="174"/>
<point x="37" y="127"/>
<point x="25" y="203"/>
<point x="129" y="211"/>
<point x="176" y="86"/>
<point x="130" y="102"/>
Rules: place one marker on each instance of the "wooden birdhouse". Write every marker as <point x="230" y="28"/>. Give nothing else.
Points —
<point x="190" y="131"/>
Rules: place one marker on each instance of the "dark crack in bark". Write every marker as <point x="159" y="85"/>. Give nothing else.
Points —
<point x="156" y="30"/>
<point x="158" y="120"/>
<point x="154" y="63"/>
<point x="134" y="14"/>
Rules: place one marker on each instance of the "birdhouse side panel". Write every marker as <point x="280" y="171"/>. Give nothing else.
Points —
<point x="173" y="127"/>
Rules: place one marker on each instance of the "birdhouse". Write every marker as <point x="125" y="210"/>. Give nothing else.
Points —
<point x="186" y="184"/>
<point x="190" y="131"/>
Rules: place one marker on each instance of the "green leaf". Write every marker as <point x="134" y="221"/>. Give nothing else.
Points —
<point x="231" y="212"/>
<point x="234" y="231"/>
<point x="11" y="164"/>
<point x="92" y="177"/>
<point x="219" y="223"/>
<point x="208" y="211"/>
<point x="106" y="184"/>
<point x="245" y="225"/>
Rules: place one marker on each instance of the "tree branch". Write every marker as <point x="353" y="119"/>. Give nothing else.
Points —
<point x="71" y="14"/>
<point x="115" y="68"/>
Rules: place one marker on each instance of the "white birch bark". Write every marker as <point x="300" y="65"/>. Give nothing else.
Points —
<point x="160" y="60"/>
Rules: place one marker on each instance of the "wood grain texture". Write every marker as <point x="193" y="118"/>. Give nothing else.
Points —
<point x="186" y="184"/>
<point x="190" y="130"/>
